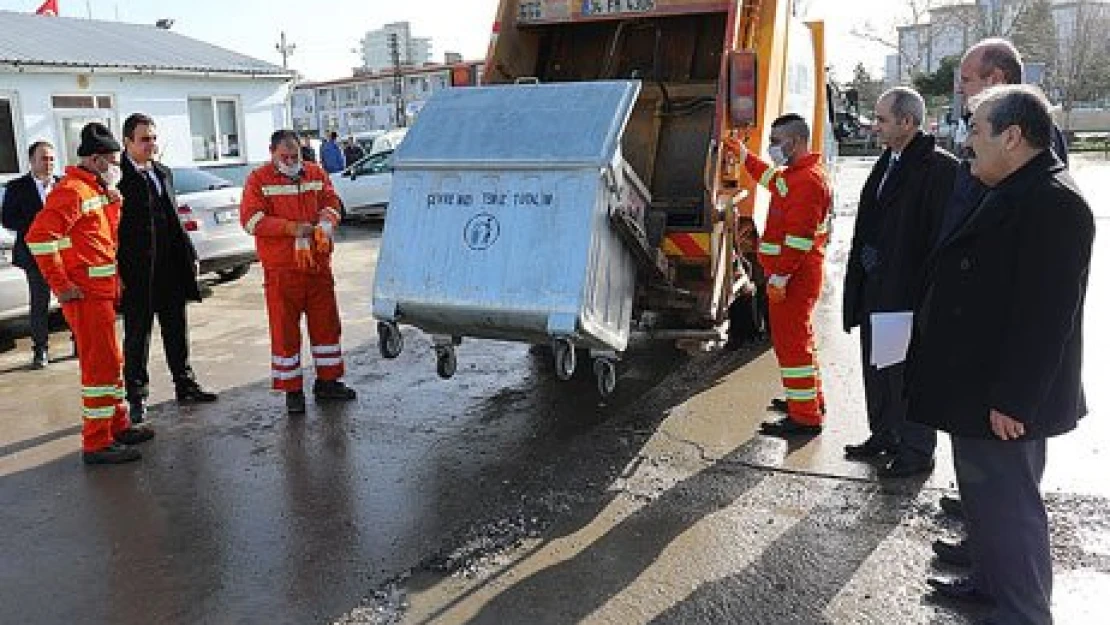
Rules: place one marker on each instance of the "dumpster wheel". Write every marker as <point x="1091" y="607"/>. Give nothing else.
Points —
<point x="565" y="359"/>
<point x="606" y="371"/>
<point x="446" y="362"/>
<point x="390" y="341"/>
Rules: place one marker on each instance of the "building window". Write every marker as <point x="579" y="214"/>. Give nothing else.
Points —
<point x="81" y="101"/>
<point x="214" y="127"/>
<point x="9" y="156"/>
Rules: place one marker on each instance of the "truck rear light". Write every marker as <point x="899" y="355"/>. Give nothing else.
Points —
<point x="188" y="218"/>
<point x="742" y="73"/>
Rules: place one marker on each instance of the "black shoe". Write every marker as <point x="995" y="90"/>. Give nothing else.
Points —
<point x="294" y="402"/>
<point x="112" y="454"/>
<point x="194" y="394"/>
<point x="332" y="390"/>
<point x="135" y="434"/>
<point x="960" y="588"/>
<point x="868" y="449"/>
<point x="952" y="506"/>
<point x="137" y="412"/>
<point x="40" y="359"/>
<point x="906" y="466"/>
<point x="954" y="553"/>
<point x="780" y="406"/>
<point x="789" y="427"/>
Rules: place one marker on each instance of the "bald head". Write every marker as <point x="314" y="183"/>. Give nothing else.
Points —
<point x="990" y="62"/>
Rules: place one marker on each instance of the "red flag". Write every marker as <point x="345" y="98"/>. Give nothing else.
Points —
<point x="50" y="7"/>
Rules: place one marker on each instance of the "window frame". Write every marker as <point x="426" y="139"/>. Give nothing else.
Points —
<point x="19" y="136"/>
<point x="215" y="101"/>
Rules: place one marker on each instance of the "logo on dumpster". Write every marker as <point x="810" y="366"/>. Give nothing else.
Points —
<point x="481" y="231"/>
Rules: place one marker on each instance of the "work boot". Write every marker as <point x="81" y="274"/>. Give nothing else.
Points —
<point x="135" y="434"/>
<point x="332" y="390"/>
<point x="294" y="402"/>
<point x="115" y="453"/>
<point x="40" y="359"/>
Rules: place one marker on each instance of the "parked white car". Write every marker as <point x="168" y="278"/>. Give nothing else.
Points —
<point x="208" y="207"/>
<point x="364" y="187"/>
<point x="377" y="141"/>
<point x="15" y="300"/>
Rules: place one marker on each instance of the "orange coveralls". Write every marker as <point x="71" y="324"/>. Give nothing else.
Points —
<point x="74" y="242"/>
<point x="273" y="204"/>
<point x="793" y="245"/>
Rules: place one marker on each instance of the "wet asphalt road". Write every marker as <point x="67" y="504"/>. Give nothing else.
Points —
<point x="501" y="496"/>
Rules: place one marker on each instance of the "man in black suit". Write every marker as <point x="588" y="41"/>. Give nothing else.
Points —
<point x="900" y="210"/>
<point x="158" y="268"/>
<point x="23" y="200"/>
<point x="996" y="359"/>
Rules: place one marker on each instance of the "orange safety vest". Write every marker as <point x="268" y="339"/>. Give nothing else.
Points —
<point x="798" y="217"/>
<point x="74" y="238"/>
<point x="273" y="204"/>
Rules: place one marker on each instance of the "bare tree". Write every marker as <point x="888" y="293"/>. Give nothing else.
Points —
<point x="1080" y="73"/>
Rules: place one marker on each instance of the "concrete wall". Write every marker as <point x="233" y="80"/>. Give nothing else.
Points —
<point x="262" y="108"/>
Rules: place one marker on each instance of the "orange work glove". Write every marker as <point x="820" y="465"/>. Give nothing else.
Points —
<point x="302" y="252"/>
<point x="322" y="234"/>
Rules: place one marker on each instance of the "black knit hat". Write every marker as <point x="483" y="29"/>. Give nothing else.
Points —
<point x="97" y="139"/>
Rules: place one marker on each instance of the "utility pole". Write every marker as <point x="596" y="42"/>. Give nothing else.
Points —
<point x="285" y="49"/>
<point x="398" y="80"/>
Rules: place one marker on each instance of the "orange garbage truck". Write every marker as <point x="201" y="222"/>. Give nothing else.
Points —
<point x="709" y="70"/>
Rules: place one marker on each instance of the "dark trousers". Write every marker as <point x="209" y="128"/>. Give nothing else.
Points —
<point x="137" y="327"/>
<point x="40" y="307"/>
<point x="1007" y="526"/>
<point x="884" y="390"/>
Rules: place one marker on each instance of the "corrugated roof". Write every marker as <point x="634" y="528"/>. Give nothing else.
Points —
<point x="38" y="40"/>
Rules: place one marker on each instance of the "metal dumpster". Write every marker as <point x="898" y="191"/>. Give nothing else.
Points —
<point x="499" y="223"/>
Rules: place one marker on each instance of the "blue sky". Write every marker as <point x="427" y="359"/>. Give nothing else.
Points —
<point x="326" y="32"/>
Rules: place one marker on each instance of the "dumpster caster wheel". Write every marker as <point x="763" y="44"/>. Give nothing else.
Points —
<point x="565" y="360"/>
<point x="390" y="341"/>
<point x="446" y="363"/>
<point x="606" y="371"/>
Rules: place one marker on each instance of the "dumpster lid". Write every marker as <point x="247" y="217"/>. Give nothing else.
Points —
<point x="536" y="125"/>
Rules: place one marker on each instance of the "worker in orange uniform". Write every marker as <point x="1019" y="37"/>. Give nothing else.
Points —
<point x="291" y="209"/>
<point x="74" y="241"/>
<point x="791" y="253"/>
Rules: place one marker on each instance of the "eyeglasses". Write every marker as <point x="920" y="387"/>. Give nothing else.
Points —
<point x="148" y="139"/>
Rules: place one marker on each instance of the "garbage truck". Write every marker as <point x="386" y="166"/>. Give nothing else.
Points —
<point x="611" y="113"/>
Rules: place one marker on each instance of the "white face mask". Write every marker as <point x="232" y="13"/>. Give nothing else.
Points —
<point x="112" y="176"/>
<point x="777" y="155"/>
<point x="292" y="171"/>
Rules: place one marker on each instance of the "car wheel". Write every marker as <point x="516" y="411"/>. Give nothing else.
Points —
<point x="234" y="273"/>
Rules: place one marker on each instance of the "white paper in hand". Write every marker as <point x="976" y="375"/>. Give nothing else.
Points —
<point x="890" y="337"/>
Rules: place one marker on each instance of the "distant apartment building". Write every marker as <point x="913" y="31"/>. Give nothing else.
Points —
<point x="369" y="101"/>
<point x="951" y="28"/>
<point x="378" y="48"/>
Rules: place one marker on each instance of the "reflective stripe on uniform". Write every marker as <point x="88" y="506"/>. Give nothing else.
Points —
<point x="765" y="179"/>
<point x="102" y="271"/>
<point x="100" y="391"/>
<point x="94" y="203"/>
<point x="291" y="361"/>
<point x="326" y="350"/>
<point x="100" y="413"/>
<point x="799" y="373"/>
<point x="328" y="362"/>
<point x="770" y="249"/>
<point x="271" y="190"/>
<point x="780" y="184"/>
<point x="253" y="222"/>
<point x="799" y="243"/>
<point x="286" y="375"/>
<point x="794" y="394"/>
<point x="64" y="243"/>
<point x="338" y="216"/>
<point x="43" y="249"/>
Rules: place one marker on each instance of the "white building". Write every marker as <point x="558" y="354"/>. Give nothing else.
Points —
<point x="368" y="101"/>
<point x="378" y="48"/>
<point x="213" y="107"/>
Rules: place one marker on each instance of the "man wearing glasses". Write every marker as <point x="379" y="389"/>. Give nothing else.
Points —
<point x="158" y="268"/>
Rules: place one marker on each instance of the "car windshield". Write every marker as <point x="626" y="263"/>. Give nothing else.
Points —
<point x="192" y="180"/>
